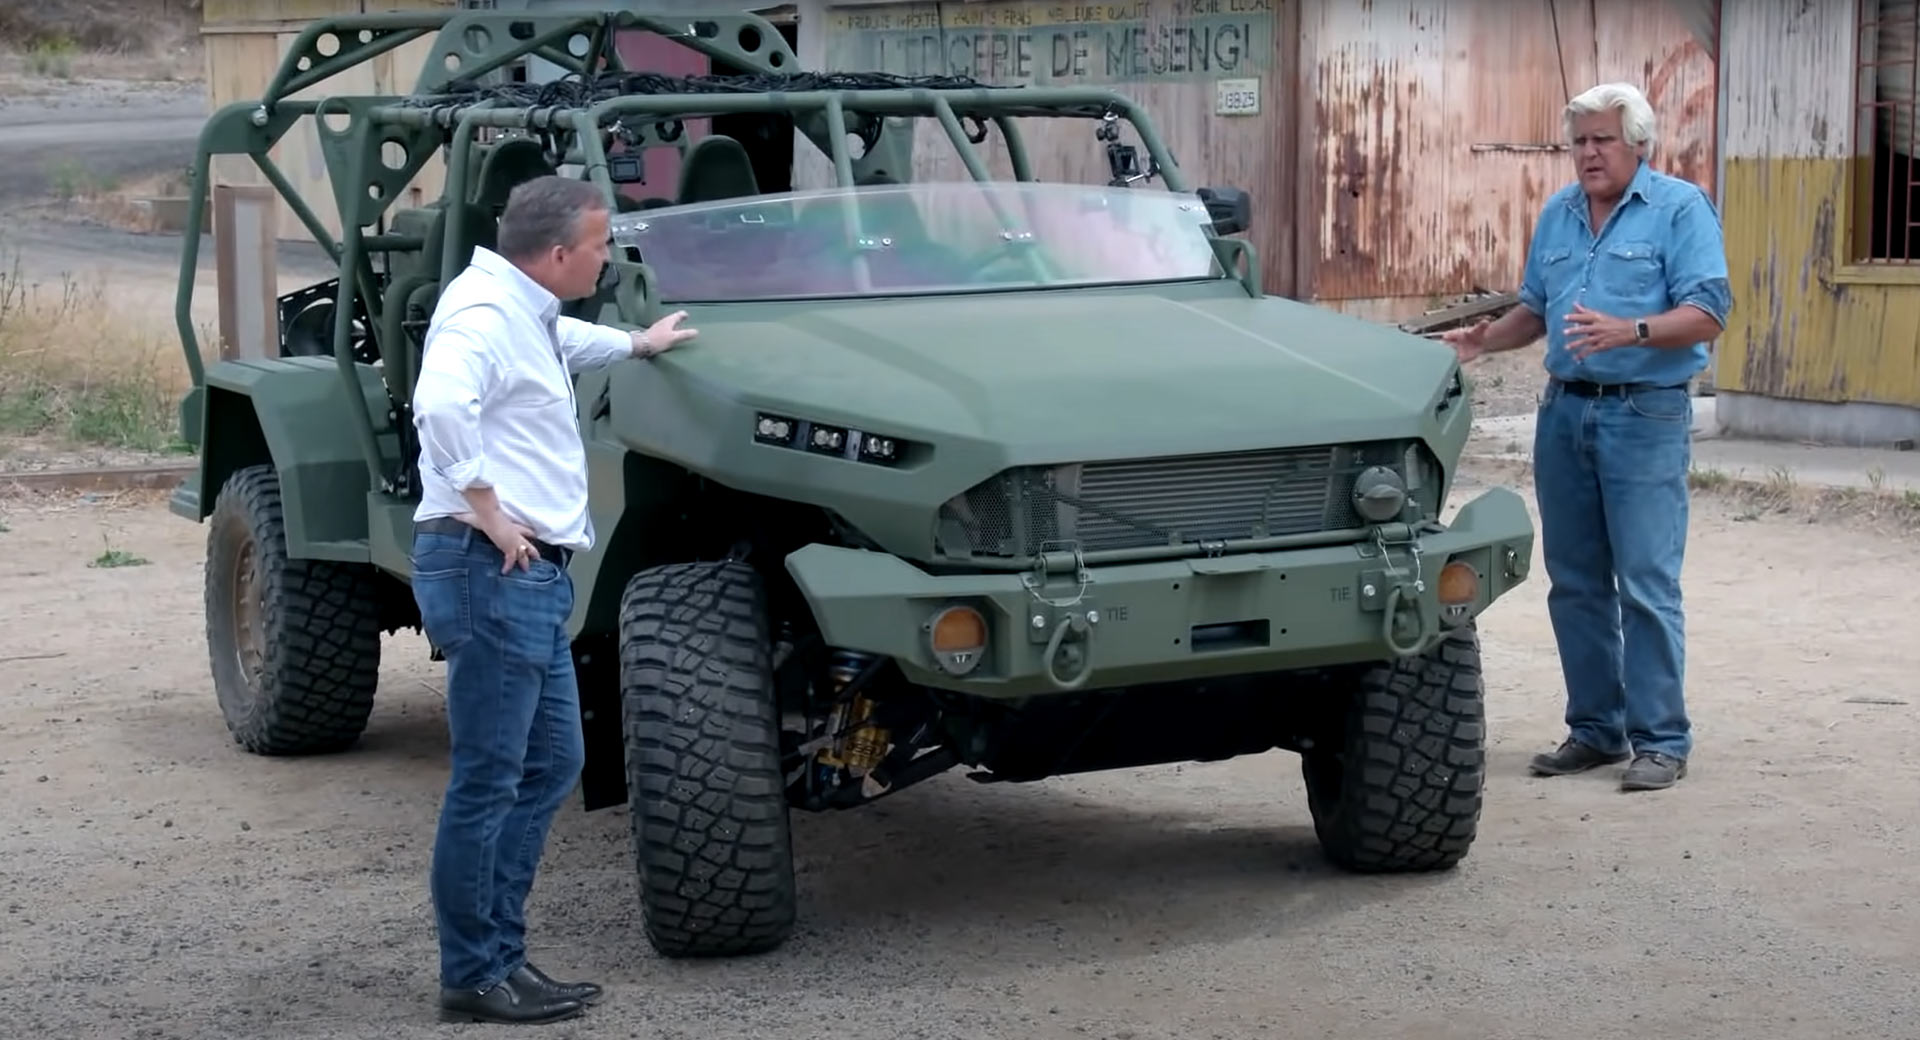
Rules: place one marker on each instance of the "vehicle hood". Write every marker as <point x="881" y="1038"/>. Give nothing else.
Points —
<point x="1081" y="375"/>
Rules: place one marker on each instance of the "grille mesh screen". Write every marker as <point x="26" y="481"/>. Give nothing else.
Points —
<point x="1153" y="502"/>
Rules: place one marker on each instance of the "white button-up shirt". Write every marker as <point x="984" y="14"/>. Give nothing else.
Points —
<point x="494" y="405"/>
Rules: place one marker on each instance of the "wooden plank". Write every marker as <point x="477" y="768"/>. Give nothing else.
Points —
<point x="1460" y="314"/>
<point x="222" y="12"/>
<point x="246" y="256"/>
<point x="121" y="478"/>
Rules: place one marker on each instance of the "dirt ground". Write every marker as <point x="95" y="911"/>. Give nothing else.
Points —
<point x="158" y="882"/>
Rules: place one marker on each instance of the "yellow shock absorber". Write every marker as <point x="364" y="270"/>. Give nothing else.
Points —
<point x="867" y="743"/>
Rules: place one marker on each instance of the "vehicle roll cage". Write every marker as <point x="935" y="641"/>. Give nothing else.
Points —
<point x="373" y="146"/>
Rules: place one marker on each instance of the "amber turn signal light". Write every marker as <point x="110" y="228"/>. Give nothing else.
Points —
<point x="957" y="635"/>
<point x="1459" y="584"/>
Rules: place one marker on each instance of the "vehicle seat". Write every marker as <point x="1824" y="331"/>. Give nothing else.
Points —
<point x="507" y="164"/>
<point x="716" y="167"/>
<point x="467" y="224"/>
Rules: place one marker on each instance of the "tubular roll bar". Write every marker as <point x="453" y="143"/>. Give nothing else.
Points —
<point x="470" y="45"/>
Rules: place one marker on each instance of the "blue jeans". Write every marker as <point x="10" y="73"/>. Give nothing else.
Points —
<point x="1610" y="474"/>
<point x="513" y="719"/>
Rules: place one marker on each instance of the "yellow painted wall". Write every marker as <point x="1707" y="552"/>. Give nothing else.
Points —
<point x="1806" y="325"/>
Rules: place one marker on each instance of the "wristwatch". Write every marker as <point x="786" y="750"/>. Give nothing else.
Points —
<point x="645" y="343"/>
<point x="1640" y="331"/>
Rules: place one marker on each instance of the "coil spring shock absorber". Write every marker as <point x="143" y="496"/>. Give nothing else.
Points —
<point x="857" y="744"/>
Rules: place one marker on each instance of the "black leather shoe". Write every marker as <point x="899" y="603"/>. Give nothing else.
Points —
<point x="532" y="980"/>
<point x="1573" y="757"/>
<point x="1653" y="771"/>
<point x="509" y="1002"/>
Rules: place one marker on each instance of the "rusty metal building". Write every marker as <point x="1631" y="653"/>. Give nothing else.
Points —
<point x="1818" y="205"/>
<point x="1397" y="150"/>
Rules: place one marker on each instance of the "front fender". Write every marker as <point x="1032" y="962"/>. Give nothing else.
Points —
<point x="292" y="413"/>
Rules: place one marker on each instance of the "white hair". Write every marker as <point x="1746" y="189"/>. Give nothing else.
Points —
<point x="1636" y="116"/>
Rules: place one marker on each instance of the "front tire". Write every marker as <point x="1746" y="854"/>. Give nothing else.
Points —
<point x="294" y="645"/>
<point x="709" y="817"/>
<point x="1399" y="787"/>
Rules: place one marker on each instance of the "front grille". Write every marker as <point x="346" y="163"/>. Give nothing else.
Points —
<point x="1153" y="502"/>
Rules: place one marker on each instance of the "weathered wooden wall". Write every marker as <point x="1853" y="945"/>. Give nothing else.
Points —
<point x="1432" y="133"/>
<point x="241" y="64"/>
<point x="1169" y="56"/>
<point x="244" y="40"/>
<point x="1810" y="322"/>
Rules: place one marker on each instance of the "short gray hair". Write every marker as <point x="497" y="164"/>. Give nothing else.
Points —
<point x="1636" y="115"/>
<point x="543" y="212"/>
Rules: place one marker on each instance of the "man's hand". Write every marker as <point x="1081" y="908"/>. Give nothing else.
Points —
<point x="662" y="336"/>
<point x="1469" y="342"/>
<point x="515" y="541"/>
<point x="1590" y="332"/>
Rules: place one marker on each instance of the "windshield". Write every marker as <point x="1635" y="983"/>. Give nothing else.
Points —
<point x="933" y="237"/>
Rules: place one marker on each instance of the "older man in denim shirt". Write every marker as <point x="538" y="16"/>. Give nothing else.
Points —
<point x="1627" y="278"/>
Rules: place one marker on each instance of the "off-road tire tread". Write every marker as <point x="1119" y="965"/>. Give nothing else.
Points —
<point x="709" y="820"/>
<point x="1414" y="776"/>
<point x="322" y="622"/>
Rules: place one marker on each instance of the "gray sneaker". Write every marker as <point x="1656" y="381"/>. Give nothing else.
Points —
<point x="1653" y="771"/>
<point x="1573" y="757"/>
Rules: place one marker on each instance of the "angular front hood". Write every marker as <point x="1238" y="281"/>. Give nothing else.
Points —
<point x="1078" y="376"/>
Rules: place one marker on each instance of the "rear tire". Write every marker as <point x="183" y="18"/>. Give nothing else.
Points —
<point x="294" y="645"/>
<point x="709" y="817"/>
<point x="1400" y="787"/>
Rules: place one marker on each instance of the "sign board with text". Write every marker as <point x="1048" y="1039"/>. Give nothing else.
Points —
<point x="1236" y="97"/>
<point x="1057" y="43"/>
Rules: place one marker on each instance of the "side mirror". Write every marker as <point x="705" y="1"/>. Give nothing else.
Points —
<point x="1230" y="208"/>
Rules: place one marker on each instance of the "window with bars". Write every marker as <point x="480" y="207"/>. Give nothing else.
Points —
<point x="1886" y="224"/>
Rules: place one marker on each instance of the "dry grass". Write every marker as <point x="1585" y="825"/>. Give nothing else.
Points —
<point x="101" y="39"/>
<point x="1873" y="507"/>
<point x="80" y="193"/>
<point x="1779" y="493"/>
<point x="75" y="369"/>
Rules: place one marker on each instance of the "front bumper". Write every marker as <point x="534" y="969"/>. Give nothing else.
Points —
<point x="1172" y="620"/>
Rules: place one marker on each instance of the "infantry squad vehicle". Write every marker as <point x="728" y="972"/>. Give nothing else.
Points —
<point x="982" y="472"/>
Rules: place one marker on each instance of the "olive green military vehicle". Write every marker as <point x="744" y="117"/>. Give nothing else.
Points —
<point x="990" y="471"/>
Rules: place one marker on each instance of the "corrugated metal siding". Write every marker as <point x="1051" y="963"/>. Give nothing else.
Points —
<point x="1434" y="134"/>
<point x="1167" y="55"/>
<point x="1789" y="76"/>
<point x="1804" y="326"/>
<point x="1702" y="18"/>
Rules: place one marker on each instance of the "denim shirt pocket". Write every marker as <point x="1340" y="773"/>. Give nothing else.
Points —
<point x="1628" y="270"/>
<point x="1558" y="277"/>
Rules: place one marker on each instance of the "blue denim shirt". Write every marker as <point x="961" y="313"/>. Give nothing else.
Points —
<point x="1660" y="248"/>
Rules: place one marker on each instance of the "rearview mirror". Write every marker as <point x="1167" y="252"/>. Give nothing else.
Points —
<point x="1230" y="209"/>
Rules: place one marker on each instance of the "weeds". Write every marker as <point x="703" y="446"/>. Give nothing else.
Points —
<point x="73" y="180"/>
<point x="111" y="557"/>
<point x="73" y="368"/>
<point x="68" y="39"/>
<point x="52" y="58"/>
<point x="1780" y="493"/>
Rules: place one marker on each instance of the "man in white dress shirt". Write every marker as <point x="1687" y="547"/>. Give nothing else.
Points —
<point x="503" y="506"/>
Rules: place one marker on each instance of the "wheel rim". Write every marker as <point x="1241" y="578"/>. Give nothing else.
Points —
<point x="249" y="617"/>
